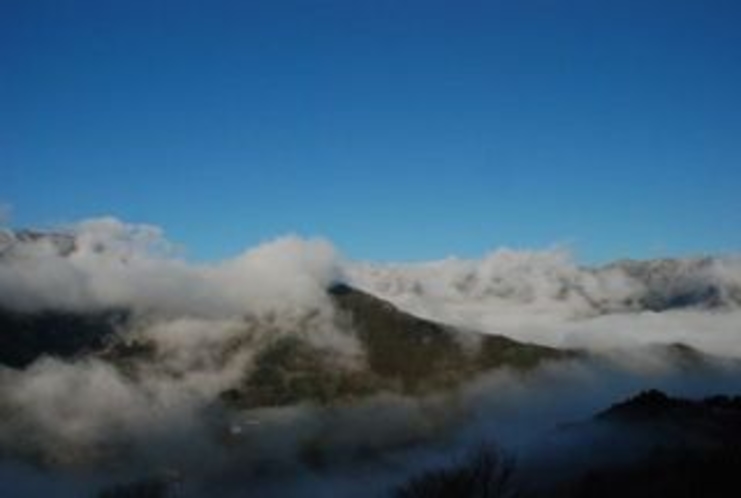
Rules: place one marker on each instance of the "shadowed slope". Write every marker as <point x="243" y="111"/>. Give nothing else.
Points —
<point x="402" y="353"/>
<point x="417" y="351"/>
<point x="24" y="337"/>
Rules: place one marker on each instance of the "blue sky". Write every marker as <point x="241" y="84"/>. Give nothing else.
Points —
<point x="400" y="130"/>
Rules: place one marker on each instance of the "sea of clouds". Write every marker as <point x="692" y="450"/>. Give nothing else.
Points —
<point x="61" y="418"/>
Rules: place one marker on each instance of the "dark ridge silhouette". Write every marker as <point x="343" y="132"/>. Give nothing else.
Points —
<point x="24" y="337"/>
<point x="654" y="405"/>
<point x="688" y="449"/>
<point x="411" y="349"/>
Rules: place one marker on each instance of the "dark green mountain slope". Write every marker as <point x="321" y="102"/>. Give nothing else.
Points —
<point x="26" y="336"/>
<point x="402" y="353"/>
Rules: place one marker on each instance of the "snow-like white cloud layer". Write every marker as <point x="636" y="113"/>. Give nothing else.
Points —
<point x="107" y="263"/>
<point x="545" y="297"/>
<point x="206" y="321"/>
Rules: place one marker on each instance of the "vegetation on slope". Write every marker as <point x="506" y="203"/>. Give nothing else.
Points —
<point x="403" y="353"/>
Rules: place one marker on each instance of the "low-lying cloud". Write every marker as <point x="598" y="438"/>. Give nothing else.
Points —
<point x="112" y="422"/>
<point x="546" y="297"/>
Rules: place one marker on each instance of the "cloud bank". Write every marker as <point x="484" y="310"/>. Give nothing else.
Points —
<point x="107" y="263"/>
<point x="114" y="421"/>
<point x="545" y="297"/>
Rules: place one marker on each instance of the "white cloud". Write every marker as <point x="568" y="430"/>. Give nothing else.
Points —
<point x="115" y="264"/>
<point x="545" y="297"/>
<point x="167" y="412"/>
<point x="6" y="212"/>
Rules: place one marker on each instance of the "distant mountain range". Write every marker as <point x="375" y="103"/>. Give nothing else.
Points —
<point x="525" y="279"/>
<point x="519" y="278"/>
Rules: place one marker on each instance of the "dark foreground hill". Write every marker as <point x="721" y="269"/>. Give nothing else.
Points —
<point x="650" y="445"/>
<point x="691" y="448"/>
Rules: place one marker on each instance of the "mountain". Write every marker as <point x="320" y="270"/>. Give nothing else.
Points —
<point x="654" y="444"/>
<point x="652" y="406"/>
<point x="503" y="277"/>
<point x="508" y="279"/>
<point x="402" y="345"/>
<point x="693" y="448"/>
<point x="286" y="362"/>
<point x="27" y="336"/>
<point x="648" y="445"/>
<point x="679" y="283"/>
<point x="401" y="352"/>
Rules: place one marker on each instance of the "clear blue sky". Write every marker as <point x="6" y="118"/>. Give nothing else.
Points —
<point x="398" y="129"/>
